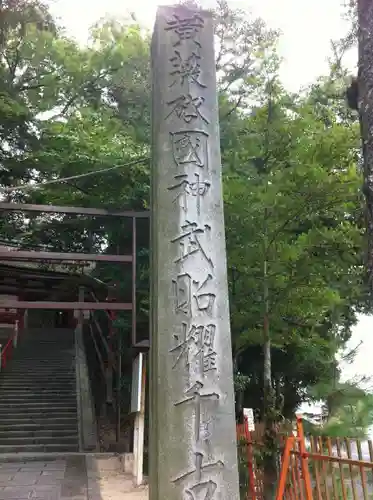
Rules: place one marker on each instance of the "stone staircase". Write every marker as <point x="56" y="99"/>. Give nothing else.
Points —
<point x="38" y="401"/>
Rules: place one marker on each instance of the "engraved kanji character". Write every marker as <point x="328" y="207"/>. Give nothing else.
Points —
<point x="186" y="70"/>
<point x="183" y="345"/>
<point x="209" y="361"/>
<point x="194" y="394"/>
<point x="203" y="490"/>
<point x="186" y="28"/>
<point x="189" y="243"/>
<point x="186" y="107"/>
<point x="186" y="188"/>
<point x="209" y="336"/>
<point x="196" y="345"/>
<point x="190" y="147"/>
<point x="183" y="294"/>
<point x="204" y="429"/>
<point x="205" y="300"/>
<point x="208" y="354"/>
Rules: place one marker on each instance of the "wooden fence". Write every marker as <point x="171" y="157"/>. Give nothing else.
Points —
<point x="310" y="468"/>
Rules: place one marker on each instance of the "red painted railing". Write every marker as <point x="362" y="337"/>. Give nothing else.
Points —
<point x="244" y="435"/>
<point x="7" y="350"/>
<point x="6" y="353"/>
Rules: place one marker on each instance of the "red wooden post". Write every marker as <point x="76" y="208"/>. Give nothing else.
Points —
<point x="250" y="459"/>
<point x="304" y="459"/>
<point x="285" y="468"/>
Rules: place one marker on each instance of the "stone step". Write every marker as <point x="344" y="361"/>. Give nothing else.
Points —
<point x="46" y="424"/>
<point x="29" y="364"/>
<point x="37" y="406"/>
<point x="32" y="375"/>
<point x="65" y="368"/>
<point x="20" y="392"/>
<point x="28" y="367"/>
<point x="42" y="361"/>
<point x="46" y="433"/>
<point x="38" y="380"/>
<point x="56" y="351"/>
<point x="38" y="401"/>
<point x="31" y="370"/>
<point x="44" y="420"/>
<point x="34" y="342"/>
<point x="36" y="387"/>
<point x="14" y="411"/>
<point x="29" y="350"/>
<point x="46" y="379"/>
<point x="6" y="389"/>
<point x="41" y="358"/>
<point x="64" y="355"/>
<point x="72" y="440"/>
<point x="42" y="366"/>
<point x="40" y="448"/>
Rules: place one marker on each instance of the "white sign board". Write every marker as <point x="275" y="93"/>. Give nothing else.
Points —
<point x="249" y="416"/>
<point x="136" y="389"/>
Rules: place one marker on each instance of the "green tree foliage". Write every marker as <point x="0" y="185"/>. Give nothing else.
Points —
<point x="348" y="410"/>
<point x="305" y="193"/>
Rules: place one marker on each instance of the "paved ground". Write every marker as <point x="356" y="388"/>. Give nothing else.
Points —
<point x="77" y="477"/>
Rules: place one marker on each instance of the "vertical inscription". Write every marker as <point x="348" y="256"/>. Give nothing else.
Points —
<point x="193" y="344"/>
<point x="193" y="439"/>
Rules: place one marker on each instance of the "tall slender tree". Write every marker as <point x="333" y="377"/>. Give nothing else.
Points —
<point x="361" y="95"/>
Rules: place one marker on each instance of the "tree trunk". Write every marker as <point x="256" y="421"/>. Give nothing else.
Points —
<point x="270" y="456"/>
<point x="365" y="105"/>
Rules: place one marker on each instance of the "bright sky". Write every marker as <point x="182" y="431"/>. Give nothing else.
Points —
<point x="307" y="28"/>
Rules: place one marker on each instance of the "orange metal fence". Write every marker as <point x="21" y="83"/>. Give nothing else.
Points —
<point x="250" y="448"/>
<point x="313" y="468"/>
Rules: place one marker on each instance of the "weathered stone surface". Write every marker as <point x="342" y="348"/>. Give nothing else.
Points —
<point x="193" y="442"/>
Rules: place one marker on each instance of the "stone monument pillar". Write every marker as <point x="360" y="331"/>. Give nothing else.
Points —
<point x="193" y="449"/>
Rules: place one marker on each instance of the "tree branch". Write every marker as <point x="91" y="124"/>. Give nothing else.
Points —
<point x="233" y="109"/>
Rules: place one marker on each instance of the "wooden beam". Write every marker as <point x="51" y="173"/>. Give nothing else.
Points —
<point x="48" y="256"/>
<point x="55" y="209"/>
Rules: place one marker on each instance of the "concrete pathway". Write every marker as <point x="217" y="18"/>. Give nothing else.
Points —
<point x="77" y="477"/>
